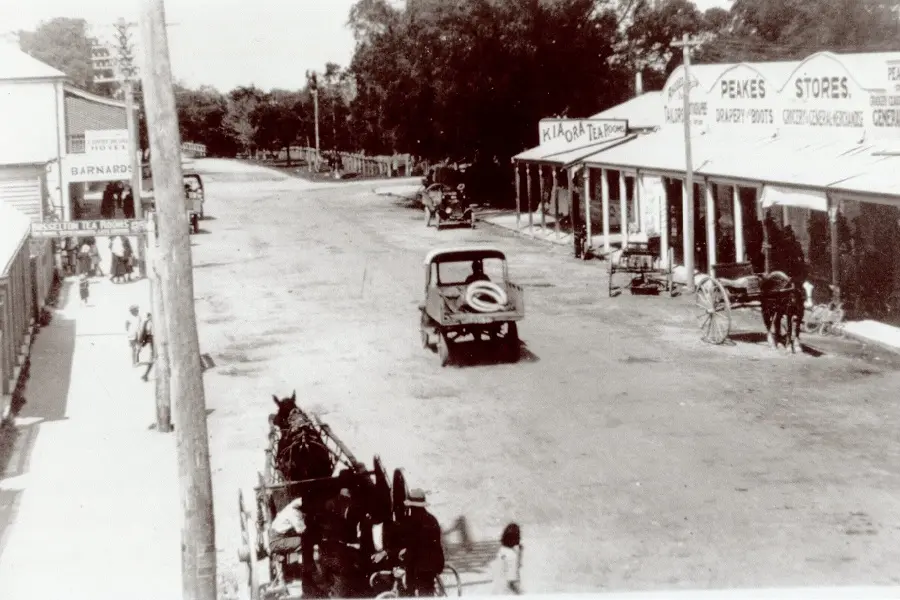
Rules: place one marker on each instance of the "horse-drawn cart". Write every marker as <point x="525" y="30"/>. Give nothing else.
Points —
<point x="313" y="464"/>
<point x="730" y="286"/>
<point x="647" y="271"/>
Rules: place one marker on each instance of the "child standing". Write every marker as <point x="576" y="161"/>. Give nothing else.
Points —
<point x="508" y="564"/>
<point x="84" y="288"/>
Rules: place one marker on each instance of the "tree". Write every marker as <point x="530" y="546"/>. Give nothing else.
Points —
<point x="63" y="43"/>
<point x="241" y="103"/>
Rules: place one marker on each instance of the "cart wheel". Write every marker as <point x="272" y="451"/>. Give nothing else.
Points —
<point x="447" y="583"/>
<point x="613" y="292"/>
<point x="399" y="495"/>
<point x="443" y="348"/>
<point x="713" y="311"/>
<point x="511" y="341"/>
<point x="384" y="508"/>
<point x="247" y="551"/>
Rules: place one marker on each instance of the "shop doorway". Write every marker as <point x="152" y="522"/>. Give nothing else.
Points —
<point x="675" y="195"/>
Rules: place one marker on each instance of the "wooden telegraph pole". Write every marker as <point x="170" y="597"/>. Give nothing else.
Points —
<point x="688" y="207"/>
<point x="198" y="543"/>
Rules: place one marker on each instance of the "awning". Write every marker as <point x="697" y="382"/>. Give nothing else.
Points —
<point x="781" y="196"/>
<point x="568" y="157"/>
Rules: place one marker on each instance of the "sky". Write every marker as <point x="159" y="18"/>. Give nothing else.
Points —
<point x="226" y="43"/>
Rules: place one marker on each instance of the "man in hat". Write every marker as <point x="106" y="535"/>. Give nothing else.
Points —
<point x="477" y="273"/>
<point x="339" y="549"/>
<point x="133" y="330"/>
<point x="422" y="554"/>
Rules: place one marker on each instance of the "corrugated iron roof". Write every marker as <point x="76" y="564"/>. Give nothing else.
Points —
<point x="17" y="65"/>
<point x="568" y="157"/>
<point x="642" y="112"/>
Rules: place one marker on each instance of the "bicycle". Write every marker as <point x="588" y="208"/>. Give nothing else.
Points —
<point x="399" y="588"/>
<point x="825" y="318"/>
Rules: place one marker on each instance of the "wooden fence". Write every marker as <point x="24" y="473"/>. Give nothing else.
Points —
<point x="399" y="165"/>
<point x="25" y="283"/>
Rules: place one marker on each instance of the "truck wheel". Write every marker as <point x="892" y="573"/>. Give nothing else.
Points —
<point x="511" y="341"/>
<point x="443" y="347"/>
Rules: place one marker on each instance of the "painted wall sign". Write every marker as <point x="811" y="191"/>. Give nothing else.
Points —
<point x="568" y="134"/>
<point x="88" y="228"/>
<point x="106" y="140"/>
<point x="821" y="94"/>
<point x="99" y="166"/>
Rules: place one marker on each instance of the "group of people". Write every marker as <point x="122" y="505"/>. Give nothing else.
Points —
<point x="119" y="196"/>
<point x="415" y="544"/>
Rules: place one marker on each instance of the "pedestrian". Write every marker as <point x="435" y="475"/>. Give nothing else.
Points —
<point x="108" y="202"/>
<point x="84" y="258"/>
<point x="95" y="260"/>
<point x="147" y="340"/>
<point x="84" y="288"/>
<point x="421" y="549"/>
<point x="508" y="564"/>
<point x="128" y="203"/>
<point x="133" y="331"/>
<point x="117" y="268"/>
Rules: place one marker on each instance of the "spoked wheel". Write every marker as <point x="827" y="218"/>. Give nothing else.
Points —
<point x="448" y="583"/>
<point x="443" y="348"/>
<point x="384" y="506"/>
<point x="399" y="495"/>
<point x="247" y="549"/>
<point x="511" y="341"/>
<point x="713" y="311"/>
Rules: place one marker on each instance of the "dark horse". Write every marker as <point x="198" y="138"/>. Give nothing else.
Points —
<point x="300" y="452"/>
<point x="782" y="299"/>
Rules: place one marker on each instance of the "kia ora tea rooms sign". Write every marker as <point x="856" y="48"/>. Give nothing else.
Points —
<point x="562" y="135"/>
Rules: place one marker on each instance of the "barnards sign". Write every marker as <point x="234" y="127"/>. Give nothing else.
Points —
<point x="560" y="135"/>
<point x="98" y="166"/>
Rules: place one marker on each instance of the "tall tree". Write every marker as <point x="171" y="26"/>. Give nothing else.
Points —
<point x="241" y="103"/>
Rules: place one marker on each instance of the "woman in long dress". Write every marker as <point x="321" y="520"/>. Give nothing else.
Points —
<point x="117" y="268"/>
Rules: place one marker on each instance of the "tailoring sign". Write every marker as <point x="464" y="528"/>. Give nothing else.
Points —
<point x="106" y="140"/>
<point x="561" y="135"/>
<point x="673" y="98"/>
<point x="99" y="166"/>
<point x="742" y="96"/>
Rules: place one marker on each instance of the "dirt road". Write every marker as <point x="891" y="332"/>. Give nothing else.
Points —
<point x="633" y="455"/>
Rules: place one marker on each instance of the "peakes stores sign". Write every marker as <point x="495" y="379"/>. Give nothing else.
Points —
<point x="820" y="94"/>
<point x="561" y="135"/>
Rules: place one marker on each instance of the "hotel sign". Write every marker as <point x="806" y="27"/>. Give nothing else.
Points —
<point x="106" y="140"/>
<point x="98" y="166"/>
<point x="561" y="135"/>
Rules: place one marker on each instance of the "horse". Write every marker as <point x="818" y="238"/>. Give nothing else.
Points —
<point x="783" y="300"/>
<point x="300" y="452"/>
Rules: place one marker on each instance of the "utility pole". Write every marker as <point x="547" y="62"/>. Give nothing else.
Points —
<point x="198" y="542"/>
<point x="313" y="79"/>
<point x="688" y="206"/>
<point x="161" y="349"/>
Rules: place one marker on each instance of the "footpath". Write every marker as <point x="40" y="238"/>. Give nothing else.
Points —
<point x="89" y="504"/>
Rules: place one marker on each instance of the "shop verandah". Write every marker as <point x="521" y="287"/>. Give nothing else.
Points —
<point x="776" y="202"/>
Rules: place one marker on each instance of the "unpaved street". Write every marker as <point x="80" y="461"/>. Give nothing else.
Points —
<point x="633" y="455"/>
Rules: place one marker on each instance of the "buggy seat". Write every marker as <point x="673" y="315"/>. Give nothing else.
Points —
<point x="736" y="275"/>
